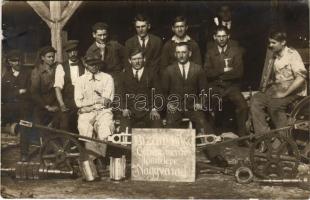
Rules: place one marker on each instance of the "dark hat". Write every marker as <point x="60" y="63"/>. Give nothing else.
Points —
<point x="46" y="49"/>
<point x="14" y="54"/>
<point x="91" y="59"/>
<point x="71" y="45"/>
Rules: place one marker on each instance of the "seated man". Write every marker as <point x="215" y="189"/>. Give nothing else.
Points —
<point x="283" y="80"/>
<point x="138" y="82"/>
<point x="93" y="94"/>
<point x="15" y="98"/>
<point x="185" y="79"/>
<point x="65" y="79"/>
<point x="224" y="67"/>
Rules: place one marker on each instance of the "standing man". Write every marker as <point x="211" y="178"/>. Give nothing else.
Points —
<point x="149" y="43"/>
<point x="110" y="52"/>
<point x="179" y="28"/>
<point x="224" y="67"/>
<point x="185" y="79"/>
<point x="42" y="87"/>
<point x="93" y="94"/>
<point x="139" y="84"/>
<point x="65" y="79"/>
<point x="283" y="80"/>
<point x="15" y="98"/>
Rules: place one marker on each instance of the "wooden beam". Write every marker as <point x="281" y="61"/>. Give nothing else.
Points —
<point x="42" y="10"/>
<point x="55" y="9"/>
<point x="68" y="11"/>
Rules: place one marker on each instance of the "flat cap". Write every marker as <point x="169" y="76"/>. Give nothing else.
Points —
<point x="46" y="49"/>
<point x="92" y="59"/>
<point x="14" y="54"/>
<point x="71" y="45"/>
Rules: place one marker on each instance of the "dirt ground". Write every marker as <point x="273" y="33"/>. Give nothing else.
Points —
<point x="207" y="185"/>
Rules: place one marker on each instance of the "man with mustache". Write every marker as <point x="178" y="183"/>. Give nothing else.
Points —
<point x="283" y="80"/>
<point x="65" y="79"/>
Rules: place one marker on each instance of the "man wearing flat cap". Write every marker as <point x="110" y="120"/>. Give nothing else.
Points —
<point x="65" y="79"/>
<point x="42" y="87"/>
<point x="93" y="94"/>
<point x="15" y="98"/>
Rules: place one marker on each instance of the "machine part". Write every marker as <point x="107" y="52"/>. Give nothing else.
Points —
<point x="117" y="168"/>
<point x="244" y="175"/>
<point x="300" y="116"/>
<point x="306" y="153"/>
<point x="299" y="180"/>
<point x="67" y="133"/>
<point x="279" y="160"/>
<point x="209" y="167"/>
<point x="88" y="170"/>
<point x="30" y="170"/>
<point x="10" y="129"/>
<point x="202" y="140"/>
<point x="121" y="138"/>
<point x="62" y="152"/>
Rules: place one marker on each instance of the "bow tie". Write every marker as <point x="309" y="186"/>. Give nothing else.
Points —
<point x="74" y="64"/>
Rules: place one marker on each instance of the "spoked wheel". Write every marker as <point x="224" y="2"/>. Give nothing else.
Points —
<point x="301" y="133"/>
<point x="280" y="158"/>
<point x="62" y="152"/>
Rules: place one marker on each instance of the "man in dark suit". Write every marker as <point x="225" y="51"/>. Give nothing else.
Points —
<point x="110" y="52"/>
<point x="224" y="67"/>
<point x="179" y="28"/>
<point x="149" y="43"/>
<point x="15" y="98"/>
<point x="65" y="79"/>
<point x="182" y="81"/>
<point x="139" y="84"/>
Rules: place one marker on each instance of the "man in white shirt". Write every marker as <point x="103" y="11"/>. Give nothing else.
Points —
<point x="93" y="94"/>
<point x="65" y="79"/>
<point x="283" y="80"/>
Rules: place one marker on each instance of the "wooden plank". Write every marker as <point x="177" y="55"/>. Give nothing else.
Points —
<point x="56" y="28"/>
<point x="163" y="155"/>
<point x="42" y="10"/>
<point x="68" y="11"/>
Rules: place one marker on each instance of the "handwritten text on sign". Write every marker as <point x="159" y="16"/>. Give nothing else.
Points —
<point x="163" y="155"/>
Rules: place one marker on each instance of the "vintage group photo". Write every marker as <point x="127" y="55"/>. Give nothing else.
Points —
<point x="155" y="99"/>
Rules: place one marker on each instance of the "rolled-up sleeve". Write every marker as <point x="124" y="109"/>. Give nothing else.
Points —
<point x="298" y="66"/>
<point x="59" y="77"/>
<point x="80" y="99"/>
<point x="109" y="90"/>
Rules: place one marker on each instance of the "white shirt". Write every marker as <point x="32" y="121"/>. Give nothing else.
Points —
<point x="186" y="65"/>
<point x="88" y="91"/>
<point x="222" y="49"/>
<point x="15" y="72"/>
<point x="140" y="72"/>
<point x="60" y="75"/>
<point x="178" y="40"/>
<point x="146" y="39"/>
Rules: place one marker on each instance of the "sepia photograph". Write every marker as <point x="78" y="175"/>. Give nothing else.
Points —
<point x="155" y="99"/>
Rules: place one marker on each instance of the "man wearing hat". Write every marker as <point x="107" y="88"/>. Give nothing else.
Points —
<point x="15" y="102"/>
<point x="140" y="82"/>
<point x="65" y="79"/>
<point x="42" y="86"/>
<point x="93" y="94"/>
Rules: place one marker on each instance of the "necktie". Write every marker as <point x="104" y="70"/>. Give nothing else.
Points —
<point x="183" y="72"/>
<point x="93" y="78"/>
<point x="137" y="75"/>
<point x="143" y="43"/>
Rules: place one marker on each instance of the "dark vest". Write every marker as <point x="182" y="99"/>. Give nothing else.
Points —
<point x="68" y="89"/>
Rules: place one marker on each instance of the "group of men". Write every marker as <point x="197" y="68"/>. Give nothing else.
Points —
<point x="114" y="80"/>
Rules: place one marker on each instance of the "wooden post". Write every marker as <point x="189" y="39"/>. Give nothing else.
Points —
<point x="55" y="19"/>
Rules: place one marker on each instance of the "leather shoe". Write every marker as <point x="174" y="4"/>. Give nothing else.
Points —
<point x="219" y="161"/>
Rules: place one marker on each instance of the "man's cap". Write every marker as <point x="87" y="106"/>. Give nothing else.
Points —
<point x="46" y="49"/>
<point x="14" y="54"/>
<point x="71" y="45"/>
<point x="91" y="59"/>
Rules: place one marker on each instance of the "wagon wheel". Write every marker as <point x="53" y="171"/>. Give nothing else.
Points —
<point x="300" y="134"/>
<point x="62" y="152"/>
<point x="277" y="161"/>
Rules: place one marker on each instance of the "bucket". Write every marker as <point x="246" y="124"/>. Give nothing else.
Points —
<point x="117" y="168"/>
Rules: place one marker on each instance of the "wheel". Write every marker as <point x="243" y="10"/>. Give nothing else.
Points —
<point x="280" y="159"/>
<point x="62" y="152"/>
<point x="300" y="134"/>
